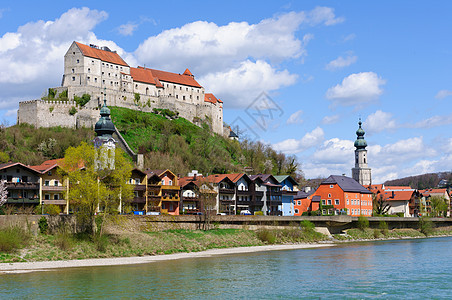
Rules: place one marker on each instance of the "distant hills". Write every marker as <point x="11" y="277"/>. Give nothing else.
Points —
<point x="424" y="181"/>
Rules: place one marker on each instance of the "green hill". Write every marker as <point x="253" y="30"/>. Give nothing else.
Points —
<point x="174" y="144"/>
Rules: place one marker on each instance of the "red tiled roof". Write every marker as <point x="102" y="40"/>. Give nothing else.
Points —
<point x="47" y="165"/>
<point x="216" y="178"/>
<point x="187" y="72"/>
<point x="175" y="78"/>
<point x="397" y="187"/>
<point x="104" y="55"/>
<point x="397" y="195"/>
<point x="209" y="97"/>
<point x="11" y="164"/>
<point x="145" y="76"/>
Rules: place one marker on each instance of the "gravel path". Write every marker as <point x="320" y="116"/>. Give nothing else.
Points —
<point x="24" y="267"/>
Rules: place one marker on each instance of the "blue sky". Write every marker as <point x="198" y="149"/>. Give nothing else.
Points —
<point x="317" y="65"/>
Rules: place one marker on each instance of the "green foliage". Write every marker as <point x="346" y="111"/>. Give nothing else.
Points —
<point x="259" y="213"/>
<point x="4" y="157"/>
<point x="13" y="238"/>
<point x="363" y="223"/>
<point x="63" y="238"/>
<point x="307" y="225"/>
<point x="383" y="226"/>
<point x="439" y="206"/>
<point x="266" y="235"/>
<point x="52" y="93"/>
<point x="63" y="95"/>
<point x="426" y="226"/>
<point x="81" y="101"/>
<point x="43" y="225"/>
<point x="51" y="108"/>
<point x="72" y="111"/>
<point x="136" y="98"/>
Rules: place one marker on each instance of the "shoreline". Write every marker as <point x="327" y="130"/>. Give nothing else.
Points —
<point x="39" y="266"/>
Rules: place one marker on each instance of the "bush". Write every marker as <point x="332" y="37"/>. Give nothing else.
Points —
<point x="43" y="225"/>
<point x="363" y="223"/>
<point x="259" y="213"/>
<point x="81" y="101"/>
<point x="101" y="242"/>
<point x="266" y="236"/>
<point x="72" y="111"/>
<point x="426" y="226"/>
<point x="383" y="227"/>
<point x="63" y="239"/>
<point x="13" y="238"/>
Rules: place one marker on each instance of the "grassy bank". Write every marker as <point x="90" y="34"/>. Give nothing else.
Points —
<point x="62" y="245"/>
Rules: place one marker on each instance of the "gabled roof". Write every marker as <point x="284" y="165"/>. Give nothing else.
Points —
<point x="144" y="75"/>
<point x="303" y="194"/>
<point x="397" y="195"/>
<point x="217" y="178"/>
<point x="187" y="72"/>
<point x="396" y="187"/>
<point x="103" y="55"/>
<point x="347" y="184"/>
<point x="209" y="97"/>
<point x="267" y="178"/>
<point x="17" y="164"/>
<point x="47" y="165"/>
<point x="175" y="78"/>
<point x="281" y="178"/>
<point x="199" y="180"/>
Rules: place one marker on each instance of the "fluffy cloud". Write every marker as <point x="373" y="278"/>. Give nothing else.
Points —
<point x="330" y="119"/>
<point x="443" y="94"/>
<point x="356" y="89"/>
<point x="243" y="84"/>
<point x="127" y="29"/>
<point x="379" y="121"/>
<point x="295" y="118"/>
<point x="431" y="122"/>
<point x="341" y="62"/>
<point x="31" y="58"/>
<point x="309" y="140"/>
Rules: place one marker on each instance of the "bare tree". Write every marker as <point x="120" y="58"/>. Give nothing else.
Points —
<point x="381" y="206"/>
<point x="3" y="192"/>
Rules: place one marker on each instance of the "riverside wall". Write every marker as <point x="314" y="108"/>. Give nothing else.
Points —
<point x="331" y="224"/>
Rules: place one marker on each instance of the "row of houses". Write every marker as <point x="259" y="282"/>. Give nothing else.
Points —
<point x="343" y="195"/>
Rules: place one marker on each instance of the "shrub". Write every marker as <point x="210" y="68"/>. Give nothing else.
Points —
<point x="363" y="223"/>
<point x="63" y="95"/>
<point x="81" y="101"/>
<point x="51" y="108"/>
<point x="72" y="111"/>
<point x="101" y="242"/>
<point x="307" y="225"/>
<point x="266" y="236"/>
<point x="383" y="226"/>
<point x="426" y="226"/>
<point x="259" y="213"/>
<point x="52" y="93"/>
<point x="43" y="225"/>
<point x="63" y="239"/>
<point x="13" y="238"/>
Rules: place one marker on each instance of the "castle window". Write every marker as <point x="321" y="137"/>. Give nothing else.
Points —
<point x="177" y="96"/>
<point x="121" y="68"/>
<point x="88" y="78"/>
<point x="111" y="82"/>
<point x="73" y="53"/>
<point x="108" y="74"/>
<point x="197" y="97"/>
<point x="136" y="85"/>
<point x="73" y="70"/>
<point x="186" y="89"/>
<point x="73" y="78"/>
<point x="92" y="62"/>
<point x="89" y="70"/>
<point x="95" y="79"/>
<point x="364" y="160"/>
<point x="190" y="96"/>
<point x="116" y="67"/>
<point x="103" y="81"/>
<point x="103" y="73"/>
<point x="103" y="64"/>
<point x="78" y="60"/>
<point x="180" y="88"/>
<point x="183" y="97"/>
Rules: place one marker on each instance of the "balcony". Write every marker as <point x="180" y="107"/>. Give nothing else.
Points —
<point x="22" y="185"/>
<point x="191" y="211"/>
<point x="55" y="202"/>
<point x="139" y="200"/>
<point x="21" y="200"/>
<point x="244" y="193"/>
<point x="171" y="198"/>
<point x="227" y="191"/>
<point x="139" y="187"/>
<point x="51" y="188"/>
<point x="170" y="187"/>
<point x="190" y="198"/>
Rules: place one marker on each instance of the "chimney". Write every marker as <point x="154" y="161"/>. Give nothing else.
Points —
<point x="393" y="194"/>
<point x="194" y="177"/>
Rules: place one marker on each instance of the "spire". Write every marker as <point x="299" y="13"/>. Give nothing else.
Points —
<point x="360" y="142"/>
<point x="104" y="127"/>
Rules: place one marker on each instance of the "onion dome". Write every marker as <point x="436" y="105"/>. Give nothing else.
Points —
<point x="104" y="127"/>
<point x="360" y="142"/>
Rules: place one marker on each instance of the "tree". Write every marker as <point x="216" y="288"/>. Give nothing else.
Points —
<point x="207" y="201"/>
<point x="381" y="206"/>
<point x="3" y="192"/>
<point x="93" y="190"/>
<point x="439" y="206"/>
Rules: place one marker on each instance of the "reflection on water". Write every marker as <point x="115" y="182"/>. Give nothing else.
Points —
<point x="391" y="269"/>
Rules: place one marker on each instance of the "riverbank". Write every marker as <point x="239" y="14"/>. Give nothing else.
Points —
<point x="24" y="267"/>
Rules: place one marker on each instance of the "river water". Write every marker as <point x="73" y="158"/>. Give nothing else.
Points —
<point x="403" y="269"/>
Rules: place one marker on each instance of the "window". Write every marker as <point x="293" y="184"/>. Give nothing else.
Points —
<point x="78" y="60"/>
<point x="89" y="70"/>
<point x="299" y="202"/>
<point x="336" y="201"/>
<point x="46" y="197"/>
<point x="95" y="79"/>
<point x="323" y="202"/>
<point x="170" y="182"/>
<point x="329" y="195"/>
<point x="56" y="197"/>
<point x="55" y="183"/>
<point x="347" y="202"/>
<point x="137" y="180"/>
<point x="331" y="186"/>
<point x="163" y="181"/>
<point x="47" y="183"/>
<point x="73" y="71"/>
<point x="296" y="210"/>
<point x="73" y="78"/>
<point x="329" y="201"/>
<point x="49" y="173"/>
<point x="183" y="97"/>
<point x="92" y="62"/>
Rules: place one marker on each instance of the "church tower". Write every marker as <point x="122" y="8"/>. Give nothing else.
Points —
<point x="104" y="143"/>
<point x="361" y="171"/>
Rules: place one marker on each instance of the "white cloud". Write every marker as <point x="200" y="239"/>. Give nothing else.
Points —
<point x="356" y="89"/>
<point x="31" y="59"/>
<point x="334" y="151"/>
<point x="323" y="15"/>
<point x="443" y="94"/>
<point x="127" y="29"/>
<point x="309" y="140"/>
<point x="379" y="121"/>
<point x="295" y="118"/>
<point x="330" y="119"/>
<point x="349" y="37"/>
<point x="431" y="122"/>
<point x="243" y="84"/>
<point x="341" y="62"/>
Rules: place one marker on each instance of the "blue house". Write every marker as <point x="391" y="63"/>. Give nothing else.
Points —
<point x="289" y="190"/>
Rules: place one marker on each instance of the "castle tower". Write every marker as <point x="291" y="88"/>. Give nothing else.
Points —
<point x="361" y="171"/>
<point x="104" y="143"/>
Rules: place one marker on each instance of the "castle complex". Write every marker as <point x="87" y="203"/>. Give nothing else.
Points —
<point x="103" y="74"/>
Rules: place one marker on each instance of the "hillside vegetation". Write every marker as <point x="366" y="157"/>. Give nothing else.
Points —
<point x="182" y="146"/>
<point x="31" y="146"/>
<point x="423" y="181"/>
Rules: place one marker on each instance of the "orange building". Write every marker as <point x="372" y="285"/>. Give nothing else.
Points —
<point x="344" y="195"/>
